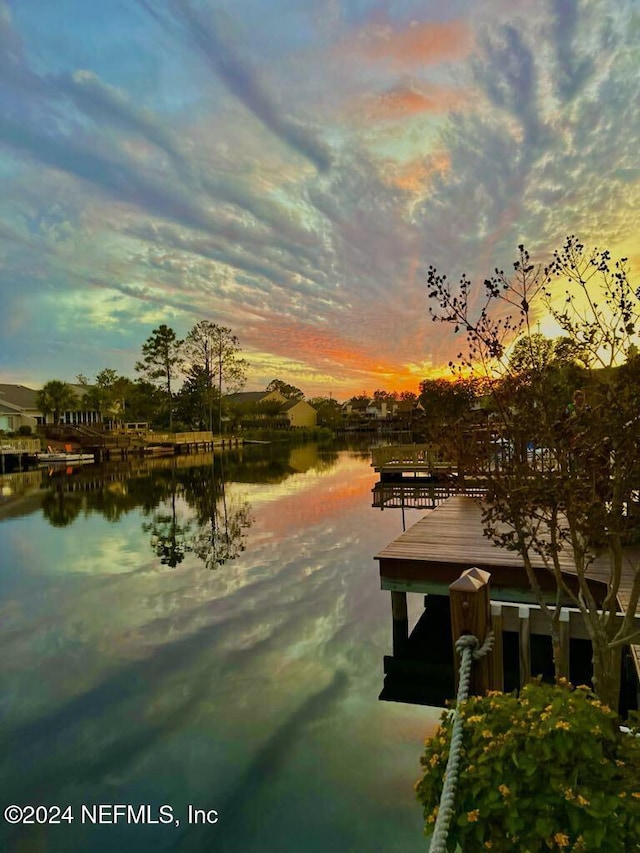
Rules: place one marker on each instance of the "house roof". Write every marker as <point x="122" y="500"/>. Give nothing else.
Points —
<point x="18" y="395"/>
<point x="8" y="407"/>
<point x="291" y="404"/>
<point x="358" y="403"/>
<point x="247" y="396"/>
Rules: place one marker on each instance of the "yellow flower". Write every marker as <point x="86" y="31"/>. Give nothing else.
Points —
<point x="435" y="759"/>
<point x="488" y="844"/>
<point x="473" y="816"/>
<point x="568" y="794"/>
<point x="622" y="794"/>
<point x="636" y="794"/>
<point x="619" y="762"/>
<point x="596" y="730"/>
<point x="475" y="718"/>
<point x="486" y="733"/>
<point x="563" y="724"/>
<point x="504" y="790"/>
<point x="582" y="801"/>
<point x="561" y="839"/>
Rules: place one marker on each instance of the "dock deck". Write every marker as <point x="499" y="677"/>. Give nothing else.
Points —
<point x="450" y="539"/>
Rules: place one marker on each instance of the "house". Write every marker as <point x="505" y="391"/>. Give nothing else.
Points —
<point x="19" y="407"/>
<point x="299" y="413"/>
<point x="272" y="404"/>
<point x="369" y="410"/>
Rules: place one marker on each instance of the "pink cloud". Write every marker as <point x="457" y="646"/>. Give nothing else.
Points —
<point x="423" y="43"/>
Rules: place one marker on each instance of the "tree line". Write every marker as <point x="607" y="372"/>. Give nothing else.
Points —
<point x="208" y="359"/>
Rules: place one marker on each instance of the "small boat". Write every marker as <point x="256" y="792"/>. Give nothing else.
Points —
<point x="63" y="457"/>
<point x="159" y="450"/>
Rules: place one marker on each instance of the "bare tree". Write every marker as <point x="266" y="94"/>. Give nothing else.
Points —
<point x="215" y="351"/>
<point x="567" y="482"/>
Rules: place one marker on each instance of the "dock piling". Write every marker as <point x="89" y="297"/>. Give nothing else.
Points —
<point x="470" y="614"/>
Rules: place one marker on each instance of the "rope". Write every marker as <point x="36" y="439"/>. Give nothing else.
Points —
<point x="467" y="648"/>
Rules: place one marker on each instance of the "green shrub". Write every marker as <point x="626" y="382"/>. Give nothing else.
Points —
<point x="25" y="429"/>
<point x="546" y="770"/>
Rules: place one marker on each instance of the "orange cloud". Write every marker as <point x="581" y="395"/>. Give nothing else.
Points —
<point x="425" y="43"/>
<point x="355" y="366"/>
<point x="405" y="101"/>
<point x="416" y="175"/>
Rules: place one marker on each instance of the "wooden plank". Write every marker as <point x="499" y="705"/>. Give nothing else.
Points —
<point x="524" y="645"/>
<point x="496" y="659"/>
<point x="562" y="666"/>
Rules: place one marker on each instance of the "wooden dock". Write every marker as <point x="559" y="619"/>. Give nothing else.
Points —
<point x="437" y="549"/>
<point x="414" y="459"/>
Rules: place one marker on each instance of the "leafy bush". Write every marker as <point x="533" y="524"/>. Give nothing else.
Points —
<point x="25" y="429"/>
<point x="546" y="770"/>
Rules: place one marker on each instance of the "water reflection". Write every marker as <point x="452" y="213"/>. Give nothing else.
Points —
<point x="186" y="501"/>
<point x="252" y="690"/>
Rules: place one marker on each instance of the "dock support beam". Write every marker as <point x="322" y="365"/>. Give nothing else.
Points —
<point x="400" y="622"/>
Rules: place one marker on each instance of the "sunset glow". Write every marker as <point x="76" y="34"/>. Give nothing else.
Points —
<point x="290" y="170"/>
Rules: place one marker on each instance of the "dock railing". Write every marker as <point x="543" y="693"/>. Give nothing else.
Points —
<point x="19" y="445"/>
<point x="409" y="455"/>
<point x="474" y="612"/>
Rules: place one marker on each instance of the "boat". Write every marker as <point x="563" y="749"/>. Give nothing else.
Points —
<point x="63" y="458"/>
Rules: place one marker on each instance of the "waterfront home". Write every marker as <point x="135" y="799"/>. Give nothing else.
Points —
<point x="19" y="407"/>
<point x="299" y="413"/>
<point x="272" y="404"/>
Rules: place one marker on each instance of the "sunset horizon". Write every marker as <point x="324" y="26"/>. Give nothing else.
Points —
<point x="291" y="172"/>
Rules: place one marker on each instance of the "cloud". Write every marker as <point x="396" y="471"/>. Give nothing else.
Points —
<point x="445" y="143"/>
<point x="106" y="103"/>
<point x="206" y="34"/>
<point x="407" y="100"/>
<point x="419" y="43"/>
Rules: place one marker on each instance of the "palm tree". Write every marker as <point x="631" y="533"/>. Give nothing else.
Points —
<point x="57" y="397"/>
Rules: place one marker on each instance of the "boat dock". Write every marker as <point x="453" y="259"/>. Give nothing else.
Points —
<point x="433" y="553"/>
<point x="420" y="460"/>
<point x="17" y="454"/>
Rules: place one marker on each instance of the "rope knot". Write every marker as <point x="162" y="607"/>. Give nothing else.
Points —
<point x="467" y="641"/>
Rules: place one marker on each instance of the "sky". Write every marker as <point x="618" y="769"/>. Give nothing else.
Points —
<point x="290" y="170"/>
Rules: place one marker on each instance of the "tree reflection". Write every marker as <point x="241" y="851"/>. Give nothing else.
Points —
<point x="61" y="508"/>
<point x="169" y="536"/>
<point x="186" y="501"/>
<point x="222" y="524"/>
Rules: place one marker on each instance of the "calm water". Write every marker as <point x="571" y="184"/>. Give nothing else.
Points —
<point x="168" y="641"/>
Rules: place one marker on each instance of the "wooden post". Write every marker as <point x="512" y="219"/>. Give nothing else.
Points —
<point x="470" y="614"/>
<point x="563" y="664"/>
<point x="400" y="622"/>
<point x="496" y="657"/>
<point x="524" y="644"/>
